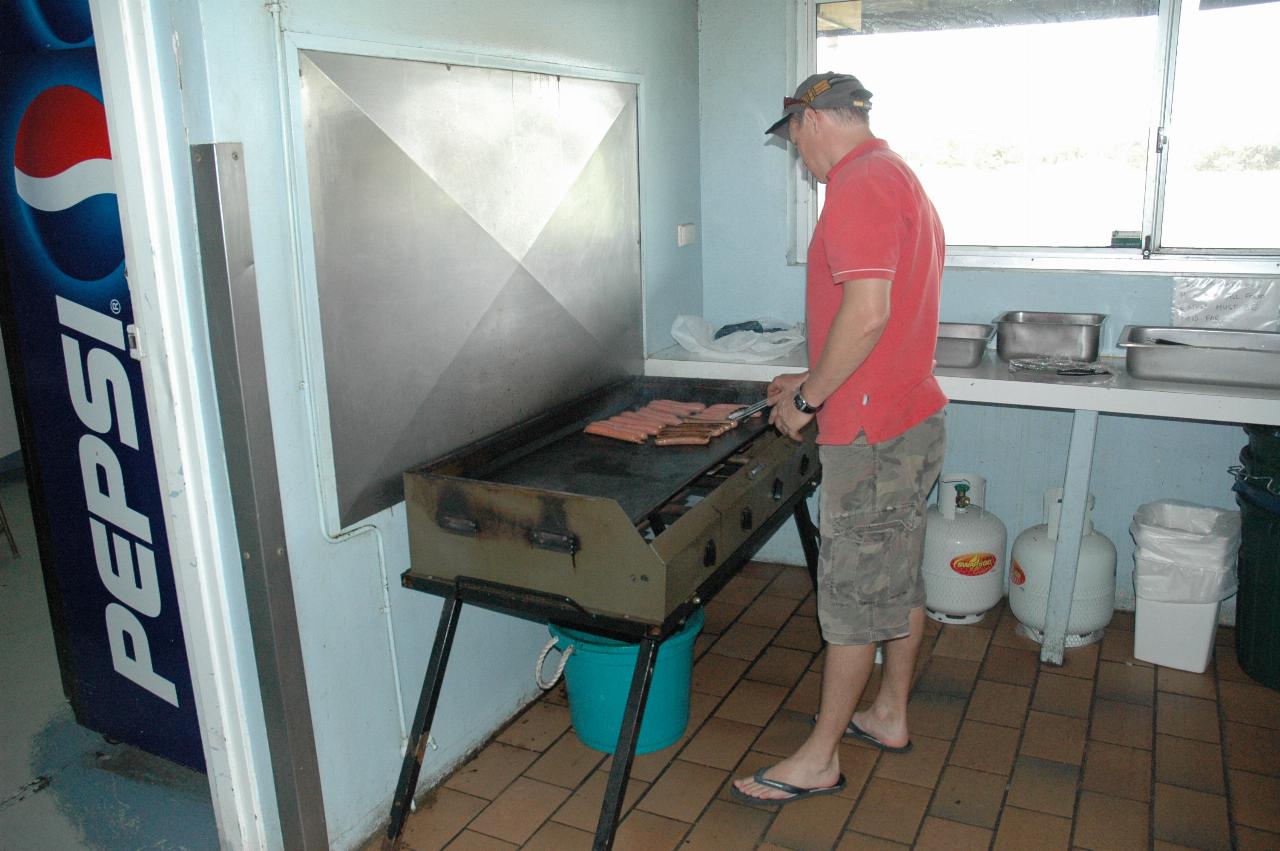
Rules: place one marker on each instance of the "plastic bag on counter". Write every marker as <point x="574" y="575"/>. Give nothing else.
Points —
<point x="695" y="334"/>
<point x="1249" y="304"/>
<point x="1060" y="370"/>
<point x="1186" y="552"/>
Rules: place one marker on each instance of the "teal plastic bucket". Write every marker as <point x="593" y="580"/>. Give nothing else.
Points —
<point x="598" y="676"/>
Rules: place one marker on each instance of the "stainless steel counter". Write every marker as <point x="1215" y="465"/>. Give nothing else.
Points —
<point x="990" y="382"/>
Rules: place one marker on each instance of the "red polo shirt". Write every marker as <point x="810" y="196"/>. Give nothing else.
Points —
<point x="877" y="222"/>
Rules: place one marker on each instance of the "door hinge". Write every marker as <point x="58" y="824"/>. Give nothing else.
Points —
<point x="134" y="337"/>
<point x="1162" y="140"/>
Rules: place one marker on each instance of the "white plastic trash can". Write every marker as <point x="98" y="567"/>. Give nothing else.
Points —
<point x="1183" y="568"/>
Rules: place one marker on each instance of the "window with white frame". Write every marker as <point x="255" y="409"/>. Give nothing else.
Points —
<point x="1119" y="126"/>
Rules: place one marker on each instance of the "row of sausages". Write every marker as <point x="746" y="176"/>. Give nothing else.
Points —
<point x="668" y="422"/>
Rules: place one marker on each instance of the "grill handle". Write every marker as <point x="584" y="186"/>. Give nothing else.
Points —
<point x="524" y="596"/>
<point x="560" y="542"/>
<point x="458" y="525"/>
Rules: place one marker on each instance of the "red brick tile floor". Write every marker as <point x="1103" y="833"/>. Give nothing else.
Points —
<point x="1105" y="752"/>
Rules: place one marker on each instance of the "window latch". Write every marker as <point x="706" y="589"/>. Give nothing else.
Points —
<point x="1161" y="140"/>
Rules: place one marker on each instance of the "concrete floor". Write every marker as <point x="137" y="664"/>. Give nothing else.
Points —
<point x="63" y="787"/>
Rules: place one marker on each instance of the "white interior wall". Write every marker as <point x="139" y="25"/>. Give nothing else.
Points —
<point x="743" y="78"/>
<point x="365" y="640"/>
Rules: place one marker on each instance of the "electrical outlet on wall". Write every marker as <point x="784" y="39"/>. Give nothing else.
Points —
<point x="686" y="234"/>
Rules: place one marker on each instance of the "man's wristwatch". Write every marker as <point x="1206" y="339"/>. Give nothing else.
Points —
<point x="802" y="405"/>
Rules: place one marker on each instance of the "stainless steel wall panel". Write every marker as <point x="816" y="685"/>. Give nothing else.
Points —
<point x="476" y="236"/>
<point x="587" y="256"/>
<point x="488" y="136"/>
<point x="560" y="363"/>
<point x="240" y="378"/>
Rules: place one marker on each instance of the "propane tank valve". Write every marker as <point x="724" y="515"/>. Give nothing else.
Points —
<point x="962" y="495"/>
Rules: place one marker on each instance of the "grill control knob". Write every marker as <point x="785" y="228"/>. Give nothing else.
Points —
<point x="777" y="490"/>
<point x="709" y="554"/>
<point x="748" y="520"/>
<point x="804" y="464"/>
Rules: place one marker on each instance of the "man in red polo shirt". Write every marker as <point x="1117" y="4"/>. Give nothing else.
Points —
<point x="874" y="272"/>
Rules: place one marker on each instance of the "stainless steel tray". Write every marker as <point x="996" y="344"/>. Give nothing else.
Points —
<point x="962" y="344"/>
<point x="1202" y="355"/>
<point x="1029" y="334"/>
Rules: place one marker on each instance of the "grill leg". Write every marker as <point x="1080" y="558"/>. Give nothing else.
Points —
<point x="8" y="531"/>
<point x="808" y="539"/>
<point x="422" y="719"/>
<point x="625" y="752"/>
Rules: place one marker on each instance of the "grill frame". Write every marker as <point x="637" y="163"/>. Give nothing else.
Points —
<point x="465" y="528"/>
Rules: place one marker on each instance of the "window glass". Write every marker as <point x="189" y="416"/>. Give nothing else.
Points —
<point x="1223" y="177"/>
<point x="1028" y="122"/>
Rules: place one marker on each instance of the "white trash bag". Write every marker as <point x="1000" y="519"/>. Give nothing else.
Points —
<point x="1186" y="552"/>
<point x="695" y="334"/>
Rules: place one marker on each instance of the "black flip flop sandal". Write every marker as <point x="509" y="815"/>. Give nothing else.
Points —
<point x="856" y="732"/>
<point x="853" y="731"/>
<point x="797" y="793"/>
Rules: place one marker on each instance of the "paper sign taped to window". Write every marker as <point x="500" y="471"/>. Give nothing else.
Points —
<point x="1250" y="304"/>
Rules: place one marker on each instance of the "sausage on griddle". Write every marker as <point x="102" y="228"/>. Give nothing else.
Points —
<point x="605" y="429"/>
<point x="682" y="440"/>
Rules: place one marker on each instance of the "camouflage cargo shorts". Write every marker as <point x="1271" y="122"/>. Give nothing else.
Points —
<point x="871" y="517"/>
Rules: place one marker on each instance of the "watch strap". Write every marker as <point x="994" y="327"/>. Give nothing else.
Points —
<point x="803" y="405"/>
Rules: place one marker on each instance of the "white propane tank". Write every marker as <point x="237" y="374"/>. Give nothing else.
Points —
<point x="1093" y="602"/>
<point x="964" y="552"/>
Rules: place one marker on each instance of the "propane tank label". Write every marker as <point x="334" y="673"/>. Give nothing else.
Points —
<point x="973" y="564"/>
<point x="1016" y="575"/>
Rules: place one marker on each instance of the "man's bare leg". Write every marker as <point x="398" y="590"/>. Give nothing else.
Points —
<point x="886" y="719"/>
<point x="817" y="763"/>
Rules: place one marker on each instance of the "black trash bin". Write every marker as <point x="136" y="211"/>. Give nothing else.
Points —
<point x="1264" y="443"/>
<point x="1257" y="490"/>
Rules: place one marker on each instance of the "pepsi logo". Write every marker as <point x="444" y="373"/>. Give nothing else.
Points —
<point x="62" y="172"/>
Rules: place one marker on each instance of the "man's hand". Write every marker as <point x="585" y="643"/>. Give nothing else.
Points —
<point x="784" y="387"/>
<point x="787" y="418"/>
<point x="783" y="414"/>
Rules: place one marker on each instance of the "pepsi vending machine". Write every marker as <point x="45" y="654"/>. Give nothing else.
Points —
<point x="86" y="440"/>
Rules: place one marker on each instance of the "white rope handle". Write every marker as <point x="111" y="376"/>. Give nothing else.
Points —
<point x="537" y="668"/>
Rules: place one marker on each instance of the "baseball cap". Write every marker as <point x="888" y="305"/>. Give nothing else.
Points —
<point x="821" y="91"/>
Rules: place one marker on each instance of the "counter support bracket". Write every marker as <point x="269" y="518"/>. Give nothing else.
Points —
<point x="1066" y="553"/>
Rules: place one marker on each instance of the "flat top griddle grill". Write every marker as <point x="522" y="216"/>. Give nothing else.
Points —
<point x="545" y="522"/>
<point x="640" y="478"/>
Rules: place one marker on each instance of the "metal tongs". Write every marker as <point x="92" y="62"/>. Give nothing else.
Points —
<point x="743" y="413"/>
